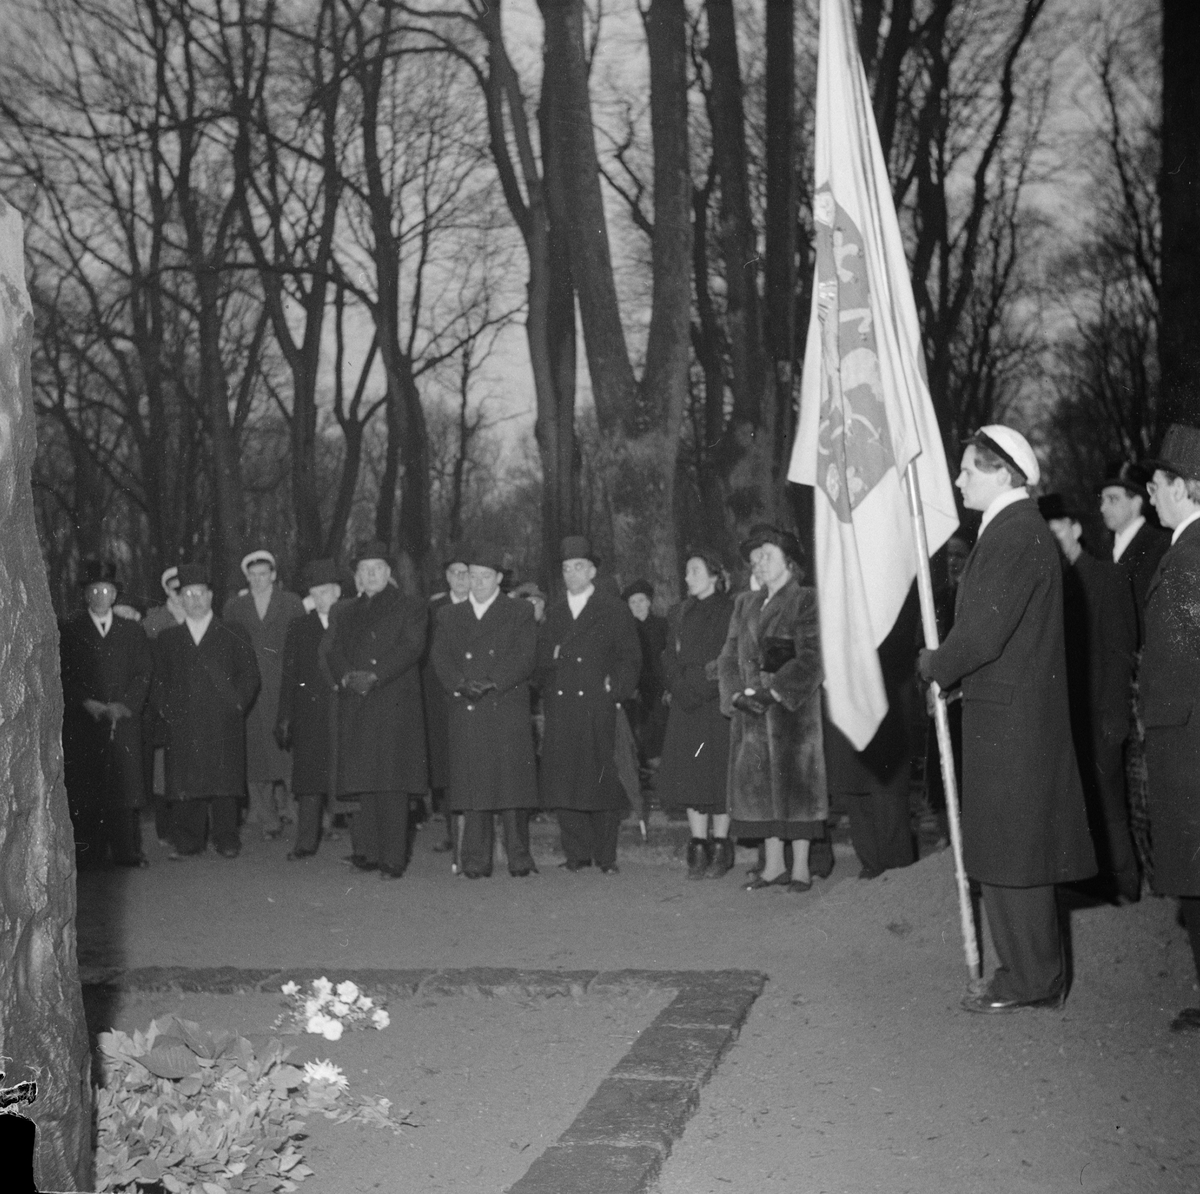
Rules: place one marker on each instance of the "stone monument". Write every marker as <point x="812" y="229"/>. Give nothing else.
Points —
<point x="43" y="1036"/>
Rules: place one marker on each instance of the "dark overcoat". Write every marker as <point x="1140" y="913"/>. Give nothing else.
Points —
<point x="103" y="763"/>
<point x="576" y="657"/>
<point x="203" y="693"/>
<point x="381" y="736"/>
<point x="437" y="704"/>
<point x="776" y="761"/>
<point x="1170" y="702"/>
<point x="306" y="704"/>
<point x="695" y="757"/>
<point x="491" y="738"/>
<point x="1140" y="562"/>
<point x="1024" y="820"/>
<point x="265" y="762"/>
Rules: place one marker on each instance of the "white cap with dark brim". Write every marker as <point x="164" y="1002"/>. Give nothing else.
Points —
<point x="261" y="556"/>
<point x="1012" y="447"/>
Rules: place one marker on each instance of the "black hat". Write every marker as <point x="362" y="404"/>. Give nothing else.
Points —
<point x="320" y="572"/>
<point x="639" y="586"/>
<point x="1179" y="454"/>
<point x="1126" y="475"/>
<point x="1053" y="506"/>
<point x="98" y="572"/>
<point x="193" y="574"/>
<point x="371" y="549"/>
<point x="764" y="532"/>
<point x="484" y="555"/>
<point x="577" y="547"/>
<point x="455" y="553"/>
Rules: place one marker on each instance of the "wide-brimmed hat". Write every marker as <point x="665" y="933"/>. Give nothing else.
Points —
<point x="764" y="532"/>
<point x="577" y="547"/>
<point x="319" y="572"/>
<point x="258" y="556"/>
<point x="1126" y="475"/>
<point x="98" y="572"/>
<point x="484" y="555"/>
<point x="1179" y="454"/>
<point x="639" y="586"/>
<point x="1054" y="506"/>
<point x="193" y="574"/>
<point x="1011" y="446"/>
<point x="371" y="549"/>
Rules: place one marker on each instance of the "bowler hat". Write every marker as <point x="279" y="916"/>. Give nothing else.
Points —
<point x="98" y="572"/>
<point x="1179" y="454"/>
<point x="577" y="547"/>
<point x="371" y="549"/>
<point x="639" y="586"/>
<point x="484" y="555"/>
<point x="193" y="574"/>
<point x="1124" y="474"/>
<point x="455" y="553"/>
<point x="320" y="572"/>
<point x="764" y="532"/>
<point x="1054" y="506"/>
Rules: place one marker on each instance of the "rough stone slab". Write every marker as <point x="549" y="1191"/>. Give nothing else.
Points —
<point x="665" y="1052"/>
<point x="633" y="1111"/>
<point x="591" y="1169"/>
<point x="716" y="1001"/>
<point x="490" y="980"/>
<point x="224" y="980"/>
<point x="402" y="983"/>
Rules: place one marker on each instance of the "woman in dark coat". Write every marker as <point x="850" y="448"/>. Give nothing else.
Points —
<point x="770" y="677"/>
<point x="373" y="652"/>
<point x="695" y="758"/>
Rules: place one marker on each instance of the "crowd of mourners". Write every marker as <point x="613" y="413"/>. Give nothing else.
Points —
<point x="1070" y="676"/>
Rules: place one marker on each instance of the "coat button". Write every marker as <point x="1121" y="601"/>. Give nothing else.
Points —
<point x="560" y="692"/>
<point x="581" y="692"/>
<point x="470" y="708"/>
<point x="579" y="659"/>
<point x="468" y="655"/>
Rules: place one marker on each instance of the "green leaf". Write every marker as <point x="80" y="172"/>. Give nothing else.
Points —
<point x="171" y="1061"/>
<point x="189" y="1086"/>
<point x="149" y="1171"/>
<point x="213" y="1188"/>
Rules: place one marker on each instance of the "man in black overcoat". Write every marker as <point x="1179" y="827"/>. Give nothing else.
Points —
<point x="1024" y="822"/>
<point x="106" y="673"/>
<point x="589" y="659"/>
<point x="1170" y="688"/>
<point x="646" y="712"/>
<point x="304" y="718"/>
<point x="484" y="651"/>
<point x="1138" y="544"/>
<point x="205" y="680"/>
<point x="1100" y="624"/>
<point x="373" y="652"/>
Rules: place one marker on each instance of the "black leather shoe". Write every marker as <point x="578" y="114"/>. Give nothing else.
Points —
<point x="698" y="856"/>
<point x="524" y="872"/>
<point x="293" y="855"/>
<point x="987" y="1004"/>
<point x="796" y="886"/>
<point x="572" y="866"/>
<point x="476" y="875"/>
<point x="232" y="852"/>
<point x="722" y="859"/>
<point x="611" y="869"/>
<point x="359" y="862"/>
<point x="443" y="847"/>
<point x="134" y="863"/>
<point x="391" y="872"/>
<point x="1188" y="1020"/>
<point x="783" y="879"/>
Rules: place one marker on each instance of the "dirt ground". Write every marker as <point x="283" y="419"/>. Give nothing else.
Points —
<point x="856" y="1070"/>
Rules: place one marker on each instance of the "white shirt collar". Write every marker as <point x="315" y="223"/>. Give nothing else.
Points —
<point x="1008" y="498"/>
<point x="577" y="601"/>
<point x="457" y="600"/>
<point x="104" y="624"/>
<point x="324" y="618"/>
<point x="1183" y="526"/>
<point x="197" y="627"/>
<point x="482" y="608"/>
<point x="1122" y="539"/>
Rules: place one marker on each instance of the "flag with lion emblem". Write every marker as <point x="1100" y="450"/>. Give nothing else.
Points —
<point x="865" y="408"/>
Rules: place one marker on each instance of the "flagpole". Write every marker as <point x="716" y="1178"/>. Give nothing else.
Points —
<point x="942" y="723"/>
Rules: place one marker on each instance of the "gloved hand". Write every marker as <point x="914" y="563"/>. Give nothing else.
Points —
<point x="754" y="703"/>
<point x="359" y="682"/>
<point x="283" y="735"/>
<point x="925" y="664"/>
<point x="473" y="690"/>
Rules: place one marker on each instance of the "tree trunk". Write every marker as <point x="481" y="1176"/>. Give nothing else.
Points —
<point x="42" y="1031"/>
<point x="1179" y="194"/>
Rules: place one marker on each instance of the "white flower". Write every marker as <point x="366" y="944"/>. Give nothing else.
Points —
<point x="338" y="1008"/>
<point x="333" y="1030"/>
<point x="380" y="1018"/>
<point x="290" y="988"/>
<point x="312" y="1007"/>
<point x="347" y="992"/>
<point x="326" y="1072"/>
<point x="323" y="989"/>
<point x="325" y="1026"/>
<point x="365" y="1003"/>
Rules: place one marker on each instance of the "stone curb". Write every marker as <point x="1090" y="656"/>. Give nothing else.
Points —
<point x="617" y="1144"/>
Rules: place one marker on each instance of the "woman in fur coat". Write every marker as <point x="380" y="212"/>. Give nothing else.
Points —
<point x="770" y="681"/>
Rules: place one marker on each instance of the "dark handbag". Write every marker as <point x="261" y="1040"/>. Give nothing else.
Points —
<point x="776" y="652"/>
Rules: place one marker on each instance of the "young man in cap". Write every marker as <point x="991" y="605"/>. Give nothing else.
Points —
<point x="589" y="658"/>
<point x="264" y="611"/>
<point x="373" y="652"/>
<point x="437" y="708"/>
<point x="304" y="720"/>
<point x="484" y="652"/>
<point x="1170" y="688"/>
<point x="1138" y="545"/>
<point x="206" y="679"/>
<point x="1100" y="626"/>
<point x="1024" y="822"/>
<point x="106" y="673"/>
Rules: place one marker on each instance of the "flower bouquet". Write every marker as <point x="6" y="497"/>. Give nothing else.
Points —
<point x="328" y="1010"/>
